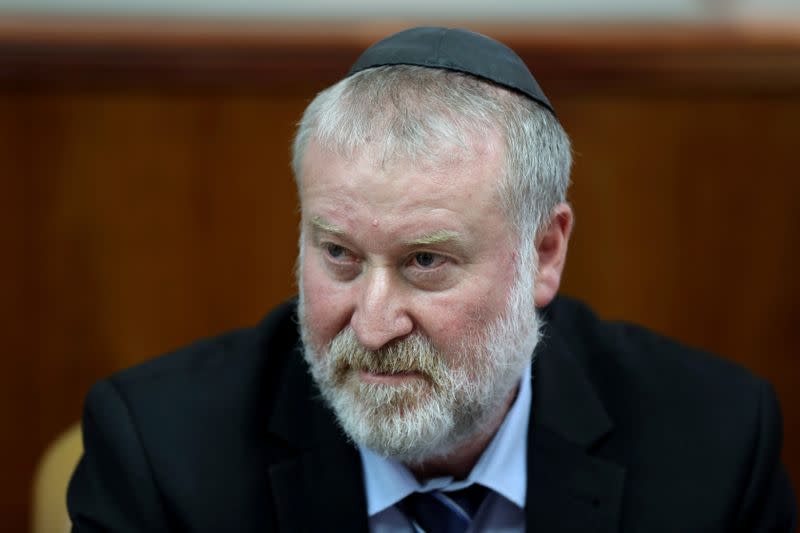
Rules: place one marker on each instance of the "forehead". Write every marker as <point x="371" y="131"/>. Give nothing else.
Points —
<point x="363" y="195"/>
<point x="476" y="161"/>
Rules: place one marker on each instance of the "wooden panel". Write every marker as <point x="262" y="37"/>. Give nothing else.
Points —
<point x="687" y="222"/>
<point x="148" y="199"/>
<point x="19" y="439"/>
<point x="131" y="51"/>
<point x="139" y="221"/>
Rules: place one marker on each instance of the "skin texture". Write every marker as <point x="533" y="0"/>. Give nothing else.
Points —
<point x="391" y="249"/>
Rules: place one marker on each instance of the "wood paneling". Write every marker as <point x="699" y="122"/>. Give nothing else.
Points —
<point x="147" y="198"/>
<point x="263" y="54"/>
<point x="688" y="222"/>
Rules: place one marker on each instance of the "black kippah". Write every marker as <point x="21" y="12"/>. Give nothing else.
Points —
<point x="454" y="49"/>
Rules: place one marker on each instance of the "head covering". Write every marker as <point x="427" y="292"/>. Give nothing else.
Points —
<point x="454" y="49"/>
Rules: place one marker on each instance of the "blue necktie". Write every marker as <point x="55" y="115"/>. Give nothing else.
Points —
<point x="444" y="512"/>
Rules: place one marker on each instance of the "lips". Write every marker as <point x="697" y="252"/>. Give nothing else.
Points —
<point x="383" y="369"/>
<point x="389" y="378"/>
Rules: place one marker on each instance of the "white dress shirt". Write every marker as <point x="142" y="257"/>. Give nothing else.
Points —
<point x="502" y="468"/>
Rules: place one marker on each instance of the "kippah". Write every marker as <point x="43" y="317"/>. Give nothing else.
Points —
<point x="454" y="49"/>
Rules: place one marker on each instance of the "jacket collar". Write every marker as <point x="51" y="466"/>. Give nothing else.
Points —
<point x="569" y="490"/>
<point x="318" y="487"/>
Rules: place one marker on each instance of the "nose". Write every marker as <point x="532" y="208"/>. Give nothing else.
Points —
<point x="381" y="315"/>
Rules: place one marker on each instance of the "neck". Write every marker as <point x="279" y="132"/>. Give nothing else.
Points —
<point x="461" y="461"/>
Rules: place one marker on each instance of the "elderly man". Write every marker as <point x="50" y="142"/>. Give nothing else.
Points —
<point x="428" y="378"/>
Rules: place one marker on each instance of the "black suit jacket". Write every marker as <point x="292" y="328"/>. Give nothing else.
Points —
<point x="629" y="432"/>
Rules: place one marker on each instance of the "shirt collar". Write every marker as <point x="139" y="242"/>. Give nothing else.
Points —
<point x="502" y="467"/>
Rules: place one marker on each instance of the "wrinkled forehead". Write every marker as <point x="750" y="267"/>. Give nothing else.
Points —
<point x="453" y="193"/>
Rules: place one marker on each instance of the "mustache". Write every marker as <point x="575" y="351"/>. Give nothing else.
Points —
<point x="414" y="353"/>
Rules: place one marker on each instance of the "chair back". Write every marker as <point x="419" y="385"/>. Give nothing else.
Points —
<point x="51" y="480"/>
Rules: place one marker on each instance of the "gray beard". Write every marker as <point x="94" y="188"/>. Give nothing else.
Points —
<point x="456" y="398"/>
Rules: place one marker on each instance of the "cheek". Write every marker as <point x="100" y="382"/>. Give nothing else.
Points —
<point x="468" y="312"/>
<point x="449" y="321"/>
<point x="326" y="308"/>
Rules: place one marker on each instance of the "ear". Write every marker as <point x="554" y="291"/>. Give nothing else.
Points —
<point x="551" y="249"/>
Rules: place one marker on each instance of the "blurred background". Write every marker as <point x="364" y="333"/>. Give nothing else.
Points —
<point x="147" y="198"/>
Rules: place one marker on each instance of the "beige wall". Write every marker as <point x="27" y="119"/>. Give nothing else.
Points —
<point x="476" y="10"/>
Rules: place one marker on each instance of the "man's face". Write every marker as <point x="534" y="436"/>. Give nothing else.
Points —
<point x="406" y="280"/>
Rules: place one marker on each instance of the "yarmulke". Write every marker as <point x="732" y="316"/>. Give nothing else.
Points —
<point x="454" y="49"/>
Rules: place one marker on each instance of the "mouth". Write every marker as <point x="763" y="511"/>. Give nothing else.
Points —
<point x="394" y="378"/>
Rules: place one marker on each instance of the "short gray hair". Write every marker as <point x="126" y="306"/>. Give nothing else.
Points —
<point x="408" y="111"/>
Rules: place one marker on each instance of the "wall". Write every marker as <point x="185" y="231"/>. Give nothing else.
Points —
<point x="147" y="198"/>
<point x="472" y="10"/>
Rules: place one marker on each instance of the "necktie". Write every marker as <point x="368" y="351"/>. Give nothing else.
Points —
<point x="444" y="512"/>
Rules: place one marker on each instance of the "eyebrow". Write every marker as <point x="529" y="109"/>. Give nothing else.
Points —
<point x="437" y="237"/>
<point x="443" y="236"/>
<point x="320" y="224"/>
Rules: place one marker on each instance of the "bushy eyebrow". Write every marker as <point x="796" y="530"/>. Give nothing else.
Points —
<point x="444" y="236"/>
<point x="320" y="224"/>
<point x="437" y="237"/>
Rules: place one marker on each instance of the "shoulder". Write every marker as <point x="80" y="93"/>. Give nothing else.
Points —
<point x="197" y="377"/>
<point x="269" y="342"/>
<point x="691" y="428"/>
<point x="647" y="364"/>
<point x="228" y="382"/>
<point x="221" y="380"/>
<point x="675" y="406"/>
<point x="162" y="437"/>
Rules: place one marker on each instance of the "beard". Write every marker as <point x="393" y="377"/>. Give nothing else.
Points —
<point x="447" y="398"/>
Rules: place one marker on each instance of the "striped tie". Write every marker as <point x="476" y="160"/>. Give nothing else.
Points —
<point x="444" y="512"/>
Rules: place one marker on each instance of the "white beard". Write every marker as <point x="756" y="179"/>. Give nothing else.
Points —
<point x="456" y="398"/>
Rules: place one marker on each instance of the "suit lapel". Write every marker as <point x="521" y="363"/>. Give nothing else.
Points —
<point x="319" y="491"/>
<point x="569" y="490"/>
<point x="319" y="488"/>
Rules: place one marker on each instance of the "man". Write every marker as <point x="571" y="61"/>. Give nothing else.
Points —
<point x="436" y="382"/>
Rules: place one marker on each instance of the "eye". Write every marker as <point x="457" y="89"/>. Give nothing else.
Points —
<point x="335" y="251"/>
<point x="341" y="262"/>
<point x="427" y="260"/>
